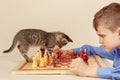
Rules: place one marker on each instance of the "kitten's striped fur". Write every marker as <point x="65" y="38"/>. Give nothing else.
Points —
<point x="35" y="37"/>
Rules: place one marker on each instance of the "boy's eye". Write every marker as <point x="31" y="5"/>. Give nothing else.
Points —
<point x="101" y="35"/>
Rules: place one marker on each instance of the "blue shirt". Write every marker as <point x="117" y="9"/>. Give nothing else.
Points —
<point x="114" y="55"/>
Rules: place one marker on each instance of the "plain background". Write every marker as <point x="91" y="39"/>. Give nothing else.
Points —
<point x="73" y="17"/>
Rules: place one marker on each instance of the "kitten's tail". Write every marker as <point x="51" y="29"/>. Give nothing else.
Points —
<point x="12" y="46"/>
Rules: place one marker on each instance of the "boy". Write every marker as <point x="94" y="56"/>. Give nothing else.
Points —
<point x="107" y="25"/>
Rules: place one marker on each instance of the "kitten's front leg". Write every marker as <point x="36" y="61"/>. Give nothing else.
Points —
<point x="50" y="50"/>
<point x="43" y="51"/>
<point x="26" y="57"/>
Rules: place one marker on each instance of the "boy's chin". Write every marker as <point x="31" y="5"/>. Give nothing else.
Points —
<point x="108" y="49"/>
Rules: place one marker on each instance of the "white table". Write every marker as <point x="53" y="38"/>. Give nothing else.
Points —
<point x="8" y="62"/>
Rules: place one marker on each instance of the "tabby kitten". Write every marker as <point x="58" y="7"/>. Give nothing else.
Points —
<point x="34" y="37"/>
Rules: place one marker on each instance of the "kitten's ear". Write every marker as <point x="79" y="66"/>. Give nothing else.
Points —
<point x="68" y="38"/>
<point x="64" y="40"/>
<point x="63" y="37"/>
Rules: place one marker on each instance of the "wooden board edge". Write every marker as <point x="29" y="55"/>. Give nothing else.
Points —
<point x="44" y="72"/>
<point x="17" y="68"/>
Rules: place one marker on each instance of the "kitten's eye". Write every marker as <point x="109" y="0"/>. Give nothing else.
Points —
<point x="64" y="41"/>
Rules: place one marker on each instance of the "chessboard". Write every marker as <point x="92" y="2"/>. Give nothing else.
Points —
<point x="26" y="68"/>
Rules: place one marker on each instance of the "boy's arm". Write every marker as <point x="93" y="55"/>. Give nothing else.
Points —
<point x="90" y="50"/>
<point x="78" y="67"/>
<point x="105" y="72"/>
<point x="113" y="73"/>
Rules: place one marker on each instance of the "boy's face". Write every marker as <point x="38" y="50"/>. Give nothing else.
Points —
<point x="107" y="38"/>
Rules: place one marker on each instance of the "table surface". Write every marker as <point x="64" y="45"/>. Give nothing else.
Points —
<point x="8" y="62"/>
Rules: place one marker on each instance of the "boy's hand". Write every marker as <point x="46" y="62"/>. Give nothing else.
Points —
<point x="78" y="67"/>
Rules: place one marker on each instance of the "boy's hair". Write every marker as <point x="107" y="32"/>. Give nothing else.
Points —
<point x="108" y="16"/>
